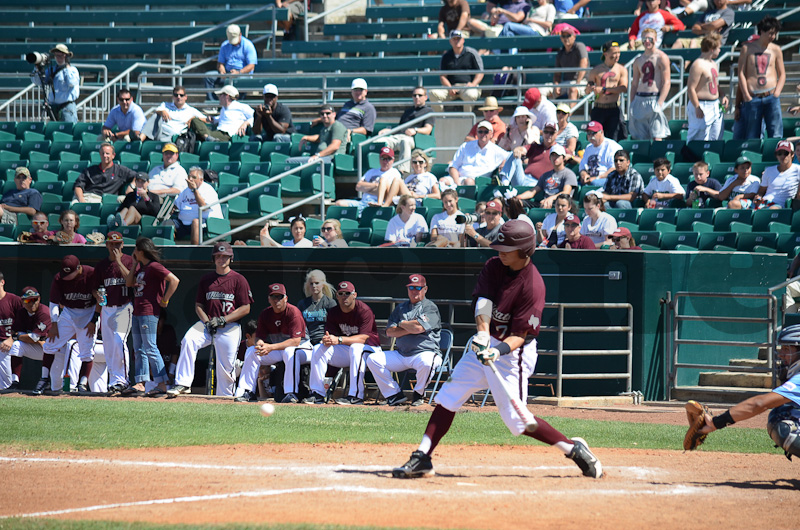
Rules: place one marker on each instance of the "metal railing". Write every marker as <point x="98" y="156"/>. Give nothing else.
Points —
<point x="309" y="20"/>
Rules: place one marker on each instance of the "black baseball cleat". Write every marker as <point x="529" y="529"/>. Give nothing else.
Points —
<point x="177" y="390"/>
<point x="248" y="397"/>
<point x="350" y="400"/>
<point x="582" y="456"/>
<point x="315" y="399"/>
<point x="40" y="387"/>
<point x="419" y="465"/>
<point x="83" y="388"/>
<point x="13" y="386"/>
<point x="417" y="400"/>
<point x="397" y="399"/>
<point x="290" y="398"/>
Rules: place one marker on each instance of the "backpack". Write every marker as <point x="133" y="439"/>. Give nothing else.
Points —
<point x="186" y="142"/>
<point x="505" y="78"/>
<point x="211" y="176"/>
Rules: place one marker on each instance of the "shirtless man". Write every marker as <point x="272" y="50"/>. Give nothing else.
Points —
<point x="761" y="78"/>
<point x="705" y="118"/>
<point x="608" y="80"/>
<point x="650" y="84"/>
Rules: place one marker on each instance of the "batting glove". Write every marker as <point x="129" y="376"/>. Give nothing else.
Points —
<point x="480" y="341"/>
<point x="211" y="326"/>
<point x="220" y="321"/>
<point x="488" y="355"/>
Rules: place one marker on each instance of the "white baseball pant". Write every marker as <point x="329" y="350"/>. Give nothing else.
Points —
<point x="470" y="376"/>
<point x="115" y="323"/>
<point x="293" y="359"/>
<point x="18" y="349"/>
<point x="71" y="323"/>
<point x="226" y="343"/>
<point x="709" y="127"/>
<point x="340" y="356"/>
<point x="383" y="363"/>
<point x="98" y="377"/>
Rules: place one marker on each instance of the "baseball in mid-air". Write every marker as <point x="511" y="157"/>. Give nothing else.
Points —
<point x="267" y="409"/>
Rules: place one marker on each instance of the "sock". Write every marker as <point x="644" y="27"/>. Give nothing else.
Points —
<point x="438" y="425"/>
<point x="172" y="368"/>
<point x="86" y="369"/>
<point x="47" y="362"/>
<point x="83" y="380"/>
<point x="16" y="368"/>
<point x="546" y="433"/>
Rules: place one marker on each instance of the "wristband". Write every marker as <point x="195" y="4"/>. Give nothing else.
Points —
<point x="723" y="420"/>
<point x="503" y="348"/>
<point x="341" y="340"/>
<point x="165" y="302"/>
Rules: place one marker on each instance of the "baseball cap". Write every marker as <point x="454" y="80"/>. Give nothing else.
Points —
<point x="326" y="107"/>
<point x="514" y="235"/>
<point x="345" y="286"/>
<point x="563" y="107"/>
<point x="142" y="175"/>
<point x="572" y="218"/>
<point x="568" y="30"/>
<point x="416" y="280"/>
<point x="114" y="237"/>
<point x="495" y="206"/>
<point x="456" y="33"/>
<point x="742" y="160"/>
<point x="170" y="147"/>
<point x="609" y="44"/>
<point x="234" y="34"/>
<point x="483" y="124"/>
<point x="621" y="231"/>
<point x="270" y="89"/>
<point x="358" y="82"/>
<point x="61" y="48"/>
<point x="70" y="264"/>
<point x="594" y="126"/>
<point x="388" y="151"/>
<point x="532" y="97"/>
<point x="22" y="171"/>
<point x="223" y="247"/>
<point x="558" y="149"/>
<point x="785" y="145"/>
<point x="30" y="292"/>
<point x="229" y="90"/>
<point x="277" y="288"/>
<point x="550" y="125"/>
<point x="522" y="111"/>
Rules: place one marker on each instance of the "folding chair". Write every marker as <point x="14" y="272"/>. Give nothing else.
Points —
<point x="445" y="345"/>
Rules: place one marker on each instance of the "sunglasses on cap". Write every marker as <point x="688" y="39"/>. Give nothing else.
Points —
<point x="344" y="293"/>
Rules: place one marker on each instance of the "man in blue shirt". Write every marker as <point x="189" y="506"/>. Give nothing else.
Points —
<point x="237" y="56"/>
<point x="24" y="199"/>
<point x="64" y="84"/>
<point x="127" y="117"/>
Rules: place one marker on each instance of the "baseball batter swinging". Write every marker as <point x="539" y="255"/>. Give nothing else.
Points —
<point x="508" y="301"/>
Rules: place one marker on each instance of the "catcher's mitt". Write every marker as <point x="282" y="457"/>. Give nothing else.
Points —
<point x="24" y="237"/>
<point x="696" y="414"/>
<point x="62" y="238"/>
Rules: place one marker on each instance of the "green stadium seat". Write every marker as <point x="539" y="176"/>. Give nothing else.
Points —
<point x="239" y="208"/>
<point x="721" y="171"/>
<point x="754" y="156"/>
<point x="43" y="165"/>
<point x="358" y="237"/>
<point x="665" y="147"/>
<point x="164" y="232"/>
<point x="768" y="150"/>
<point x="227" y="167"/>
<point x="649" y="218"/>
<point x="679" y="240"/>
<point x="87" y="208"/>
<point x="278" y="161"/>
<point x="683" y="172"/>
<point x="344" y="165"/>
<point x="646" y="170"/>
<point x="212" y="147"/>
<point x="379" y="227"/>
<point x="52" y="186"/>
<point x="43" y="175"/>
<point x="218" y="157"/>
<point x="138" y="165"/>
<point x="720" y="241"/>
<point x="440" y="170"/>
<point x="268" y="148"/>
<point x="757" y="242"/>
<point x="647" y="240"/>
<point x="107" y="209"/>
<point x="130" y="232"/>
<point x="216" y="227"/>
<point x="14" y="146"/>
<point x="151" y="146"/>
<point x="688" y="216"/>
<point x="7" y="136"/>
<point x="32" y="126"/>
<point x="227" y="189"/>
<point x="280" y="234"/>
<point x="125" y="157"/>
<point x="163" y="241"/>
<point x="733" y="148"/>
<point x="375" y="212"/>
<point x="638" y="150"/>
<point x="122" y="146"/>
<point x="30" y="136"/>
<point x="767" y="219"/>
<point x="789" y="243"/>
<point x="80" y="128"/>
<point x="629" y="215"/>
<point x="49" y="200"/>
<point x="342" y="212"/>
<point x="467" y="205"/>
<point x="537" y="215"/>
<point x="188" y="159"/>
<point x="37" y="146"/>
<point x="315" y="186"/>
<point x="468" y="192"/>
<point x="268" y="204"/>
<point x="699" y="147"/>
<point x="248" y="168"/>
<point x="238" y="148"/>
<point x="72" y="146"/>
<point x="8" y="230"/>
<point x="724" y="217"/>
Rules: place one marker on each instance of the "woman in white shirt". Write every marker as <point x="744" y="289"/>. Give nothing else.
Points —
<point x="567" y="134"/>
<point x="297" y="226"/>
<point x="407" y="226"/>
<point x="551" y="229"/>
<point x="521" y="132"/>
<point x="420" y="183"/>
<point x="444" y="225"/>
<point x="597" y="225"/>
<point x="539" y="21"/>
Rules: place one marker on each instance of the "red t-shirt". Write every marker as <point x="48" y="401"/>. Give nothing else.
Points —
<point x="538" y="161"/>
<point x="220" y="295"/>
<point x="76" y="293"/>
<point x="151" y="284"/>
<point x="38" y="322"/>
<point x="583" y="242"/>
<point x="108" y="275"/>
<point x="278" y="327"/>
<point x="359" y="321"/>
<point x="518" y="298"/>
<point x="10" y="306"/>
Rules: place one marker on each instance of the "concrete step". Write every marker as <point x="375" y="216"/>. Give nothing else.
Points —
<point x="735" y="379"/>
<point x="711" y="394"/>
<point x="748" y="362"/>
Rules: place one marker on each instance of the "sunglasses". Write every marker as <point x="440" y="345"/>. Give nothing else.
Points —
<point x="571" y="225"/>
<point x="386" y="159"/>
<point x="124" y="99"/>
<point x="620" y="160"/>
<point x="327" y="113"/>
<point x="179" y="95"/>
<point x="415" y="288"/>
<point x="483" y="131"/>
<point x="418" y="162"/>
<point x="344" y="294"/>
<point x="782" y="153"/>
<point x="491" y="212"/>
<point x="548" y="132"/>
<point x="30" y="300"/>
<point x="616" y="239"/>
<point x="418" y="95"/>
<point x="21" y="177"/>
<point x="590" y="133"/>
<point x="39" y="222"/>
<point x="326" y="229"/>
<point x="276" y="297"/>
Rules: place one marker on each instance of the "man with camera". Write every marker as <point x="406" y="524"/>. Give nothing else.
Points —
<point x="486" y="235"/>
<point x="273" y="120"/>
<point x="61" y="82"/>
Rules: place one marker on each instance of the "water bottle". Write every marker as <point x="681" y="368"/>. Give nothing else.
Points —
<point x="66" y="388"/>
<point x="103" y="298"/>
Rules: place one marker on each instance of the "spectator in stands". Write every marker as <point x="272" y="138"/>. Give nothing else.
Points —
<point x="513" y="171"/>
<point x="420" y="184"/>
<point x="703" y="110"/>
<point x="573" y="54"/>
<point x="650" y="84"/>
<point x="40" y="232"/>
<point x="538" y="22"/>
<point x="126" y="116"/>
<point x="171" y="119"/>
<point x="405" y="141"/>
<point x="608" y="80"/>
<point x="70" y="222"/>
<point x="761" y="79"/>
<point x="297" y="227"/>
<point x="656" y="18"/>
<point x="663" y="187"/>
<point x="597" y="225"/>
<point x="137" y="203"/>
<point x="459" y="86"/>
<point x="515" y="209"/>
<point x="358" y="115"/>
<point x="624" y="184"/>
<point x="273" y="120"/>
<point x="106" y="178"/>
<point x="234" y="118"/>
<point x="369" y="185"/>
<point x="622" y="239"/>
<point x="718" y="18"/>
<point x="698" y="189"/>
<point x="551" y="231"/>
<point x="237" y="56"/>
<point x="197" y="193"/>
<point x="319" y="300"/>
<point x="453" y="15"/>
<point x="559" y="181"/>
<point x="485" y="235"/>
<point x="169" y="178"/>
<point x="779" y="183"/>
<point x="64" y="81"/>
<point x="330" y="140"/>
<point x="407" y="226"/>
<point x="474" y="159"/>
<point x="570" y="8"/>
<point x="292" y="28"/>
<point x="491" y="22"/>
<point x="543" y="110"/>
<point x="573" y="238"/>
<point x="520" y="132"/>
<point x="538" y="159"/>
<point x="491" y="113"/>
<point x="23" y="199"/>
<point x="598" y="157"/>
<point x="330" y="235"/>
<point x="740" y="189"/>
<point x="445" y="230"/>
<point x="567" y="134"/>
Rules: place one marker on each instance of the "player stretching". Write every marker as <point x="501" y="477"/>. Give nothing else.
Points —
<point x="508" y="301"/>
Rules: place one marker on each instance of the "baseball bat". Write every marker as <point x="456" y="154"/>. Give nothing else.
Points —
<point x="211" y="375"/>
<point x="530" y="421"/>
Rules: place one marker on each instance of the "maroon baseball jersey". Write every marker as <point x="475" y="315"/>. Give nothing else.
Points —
<point x="583" y="242"/>
<point x="151" y="284"/>
<point x="221" y="294"/>
<point x="359" y="321"/>
<point x="75" y="293"/>
<point x="274" y="328"/>
<point x="38" y="322"/>
<point x="10" y="306"/>
<point x="518" y="298"/>
<point x="108" y="275"/>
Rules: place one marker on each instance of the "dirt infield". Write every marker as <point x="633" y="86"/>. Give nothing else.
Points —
<point x="475" y="486"/>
